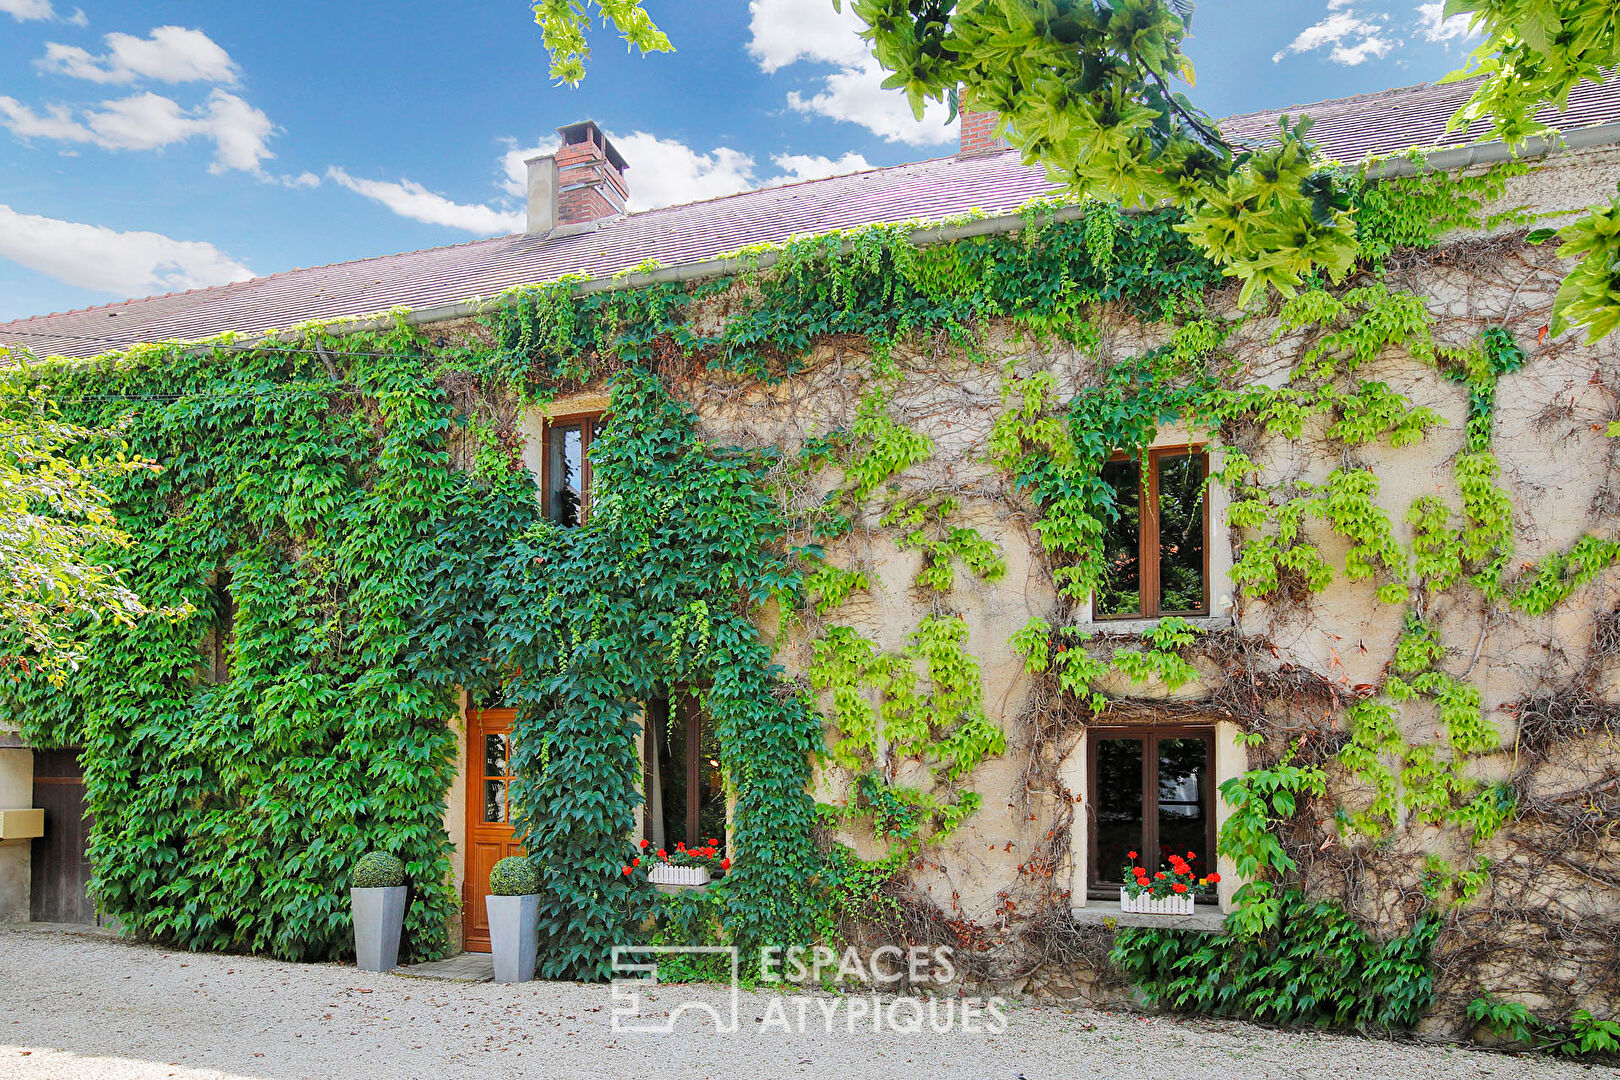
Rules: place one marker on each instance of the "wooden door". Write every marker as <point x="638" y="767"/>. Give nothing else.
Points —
<point x="489" y="828"/>
<point x="60" y="886"/>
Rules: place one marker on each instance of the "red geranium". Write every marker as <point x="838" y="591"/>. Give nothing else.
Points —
<point x="646" y="844"/>
<point x="725" y="864"/>
<point x="1177" y="880"/>
<point x="1214" y="879"/>
<point x="628" y="869"/>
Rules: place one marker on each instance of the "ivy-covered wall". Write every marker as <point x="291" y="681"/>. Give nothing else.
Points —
<point x="857" y="497"/>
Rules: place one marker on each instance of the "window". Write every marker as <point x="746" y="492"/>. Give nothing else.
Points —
<point x="1151" y="793"/>
<point x="221" y="637"/>
<point x="497" y="776"/>
<point x="566" y="469"/>
<point x="686" y="795"/>
<point x="1156" y="552"/>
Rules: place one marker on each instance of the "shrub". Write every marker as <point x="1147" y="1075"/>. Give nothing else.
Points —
<point x="514" y="876"/>
<point x="378" y="870"/>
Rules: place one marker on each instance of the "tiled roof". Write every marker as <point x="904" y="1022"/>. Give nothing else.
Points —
<point x="1347" y="128"/>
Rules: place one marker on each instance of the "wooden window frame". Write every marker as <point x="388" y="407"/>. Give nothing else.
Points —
<point x="589" y="423"/>
<point x="1097" y="885"/>
<point x="1147" y="540"/>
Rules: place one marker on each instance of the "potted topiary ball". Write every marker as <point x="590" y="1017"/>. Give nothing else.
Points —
<point x="514" y="918"/>
<point x="377" y="895"/>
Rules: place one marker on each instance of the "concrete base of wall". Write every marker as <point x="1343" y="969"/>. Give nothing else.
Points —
<point x="16" y="856"/>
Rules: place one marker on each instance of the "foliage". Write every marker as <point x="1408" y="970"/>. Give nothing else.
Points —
<point x="1255" y="802"/>
<point x="1312" y="965"/>
<point x="563" y="24"/>
<point x="377" y="870"/>
<point x="514" y="875"/>
<point x="1582" y="1034"/>
<point x="228" y="815"/>
<point x="54" y="522"/>
<point x="655" y="592"/>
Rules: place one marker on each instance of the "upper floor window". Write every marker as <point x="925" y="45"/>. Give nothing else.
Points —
<point x="1157" y="550"/>
<point x="566" y="469"/>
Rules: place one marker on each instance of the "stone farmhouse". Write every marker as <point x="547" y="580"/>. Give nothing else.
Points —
<point x="1366" y="558"/>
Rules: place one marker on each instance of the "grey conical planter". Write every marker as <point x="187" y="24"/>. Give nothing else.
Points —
<point x="379" y="914"/>
<point x="514" y="935"/>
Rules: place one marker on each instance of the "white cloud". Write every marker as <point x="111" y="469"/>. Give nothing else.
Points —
<point x="1434" y="26"/>
<point x="788" y="30"/>
<point x="27" y="10"/>
<point x="663" y="172"/>
<point x="122" y="263"/>
<point x="239" y="131"/>
<point x="149" y="121"/>
<point x="170" y="54"/>
<point x="785" y="32"/>
<point x="1351" y="55"/>
<point x="797" y="167"/>
<point x="56" y="122"/>
<point x="410" y="199"/>
<point x="1349" y="38"/>
<point x="857" y="95"/>
<point x="514" y="171"/>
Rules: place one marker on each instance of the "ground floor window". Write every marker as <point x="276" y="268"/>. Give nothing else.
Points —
<point x="1152" y="792"/>
<point x="686" y="795"/>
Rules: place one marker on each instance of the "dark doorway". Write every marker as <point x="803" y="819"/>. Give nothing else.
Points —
<point x="60" y="888"/>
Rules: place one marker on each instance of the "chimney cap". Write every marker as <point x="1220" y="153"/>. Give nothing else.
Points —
<point x="588" y="131"/>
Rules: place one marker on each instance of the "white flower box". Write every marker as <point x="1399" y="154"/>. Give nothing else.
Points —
<point x="665" y="874"/>
<point x="1147" y="905"/>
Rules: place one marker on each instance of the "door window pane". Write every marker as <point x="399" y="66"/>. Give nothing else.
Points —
<point x="495" y="755"/>
<point x="1118" y="800"/>
<point x="1183" y="827"/>
<point x="494" y="800"/>
<point x="1120" y="592"/>
<point x="565" y="473"/>
<point x="1181" y="532"/>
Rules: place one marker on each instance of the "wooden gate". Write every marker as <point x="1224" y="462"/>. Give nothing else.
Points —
<point x="61" y="866"/>
<point x="489" y="828"/>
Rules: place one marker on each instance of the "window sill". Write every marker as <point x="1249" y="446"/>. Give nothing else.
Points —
<point x="1107" y="913"/>
<point x="1142" y="626"/>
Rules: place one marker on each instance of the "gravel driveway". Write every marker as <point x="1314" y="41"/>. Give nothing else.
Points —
<point x="74" y="1007"/>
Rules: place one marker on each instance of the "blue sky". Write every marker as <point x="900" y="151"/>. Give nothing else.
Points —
<point x="172" y="144"/>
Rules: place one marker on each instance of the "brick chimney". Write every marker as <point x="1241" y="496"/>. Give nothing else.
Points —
<point x="979" y="134"/>
<point x="582" y="182"/>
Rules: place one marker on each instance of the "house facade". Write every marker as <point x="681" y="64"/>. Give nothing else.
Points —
<point x="1093" y="568"/>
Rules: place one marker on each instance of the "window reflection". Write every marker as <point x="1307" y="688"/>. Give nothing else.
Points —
<point x="1183" y="765"/>
<point x="1120" y="591"/>
<point x="495" y="755"/>
<point x="565" y="473"/>
<point x="494" y="800"/>
<point x="1119" y="804"/>
<point x="1181" y="532"/>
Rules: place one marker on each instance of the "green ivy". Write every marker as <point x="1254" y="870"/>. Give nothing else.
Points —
<point x="1312" y="966"/>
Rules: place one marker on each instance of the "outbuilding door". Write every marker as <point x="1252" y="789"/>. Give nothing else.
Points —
<point x="60" y="886"/>
<point x="489" y="827"/>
